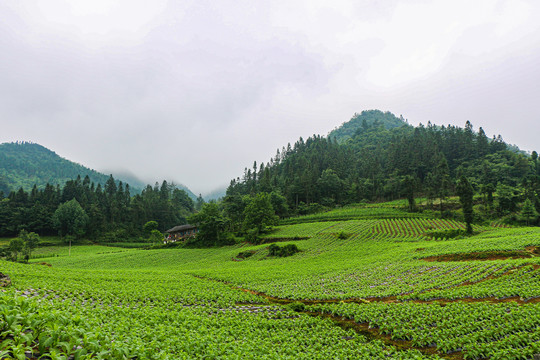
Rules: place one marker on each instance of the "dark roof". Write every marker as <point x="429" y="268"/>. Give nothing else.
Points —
<point x="180" y="228"/>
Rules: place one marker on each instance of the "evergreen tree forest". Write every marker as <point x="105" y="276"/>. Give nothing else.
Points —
<point x="384" y="162"/>
<point x="25" y="164"/>
<point x="82" y="209"/>
<point x="374" y="157"/>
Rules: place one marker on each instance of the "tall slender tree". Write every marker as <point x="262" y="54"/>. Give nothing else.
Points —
<point x="465" y="192"/>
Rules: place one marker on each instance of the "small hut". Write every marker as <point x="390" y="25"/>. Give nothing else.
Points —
<point x="181" y="232"/>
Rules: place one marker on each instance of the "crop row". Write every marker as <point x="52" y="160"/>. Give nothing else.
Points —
<point x="417" y="228"/>
<point x="354" y="213"/>
<point x="50" y="313"/>
<point x="523" y="283"/>
<point x="480" y="330"/>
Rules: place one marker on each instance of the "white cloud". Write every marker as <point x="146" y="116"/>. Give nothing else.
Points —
<point x="194" y="91"/>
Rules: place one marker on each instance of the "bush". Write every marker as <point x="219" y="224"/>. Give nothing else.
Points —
<point x="156" y="237"/>
<point x="245" y="254"/>
<point x="274" y="250"/>
<point x="448" y="214"/>
<point x="312" y="208"/>
<point x="297" y="306"/>
<point x="227" y="238"/>
<point x="252" y="236"/>
<point x="119" y="235"/>
<point x="328" y="202"/>
<point x="149" y="226"/>
<point x="287" y="250"/>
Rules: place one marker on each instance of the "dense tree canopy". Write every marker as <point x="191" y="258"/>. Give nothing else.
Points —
<point x="465" y="192"/>
<point x="212" y="226"/>
<point x="259" y="213"/>
<point x="378" y="160"/>
<point x="374" y="157"/>
<point x="113" y="213"/>
<point x="70" y="219"/>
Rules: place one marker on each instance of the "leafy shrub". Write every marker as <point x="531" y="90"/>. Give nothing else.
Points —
<point x="245" y="254"/>
<point x="119" y="235"/>
<point x="328" y="202"/>
<point x="297" y="306"/>
<point x="287" y="250"/>
<point x="448" y="214"/>
<point x="252" y="236"/>
<point x="312" y="208"/>
<point x="156" y="237"/>
<point x="227" y="239"/>
<point x="274" y="250"/>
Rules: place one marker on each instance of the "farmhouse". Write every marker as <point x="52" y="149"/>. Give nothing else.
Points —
<point x="181" y="232"/>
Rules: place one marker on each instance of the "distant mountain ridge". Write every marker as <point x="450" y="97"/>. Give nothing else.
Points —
<point x="23" y="164"/>
<point x="216" y="194"/>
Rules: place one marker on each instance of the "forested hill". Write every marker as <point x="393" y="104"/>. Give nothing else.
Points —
<point x="361" y="122"/>
<point x="25" y="164"/>
<point x="380" y="162"/>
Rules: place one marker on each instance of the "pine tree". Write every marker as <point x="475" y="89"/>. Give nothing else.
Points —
<point x="442" y="181"/>
<point x="199" y="202"/>
<point x="534" y="158"/>
<point x="465" y="192"/>
<point x="528" y="211"/>
<point x="409" y="184"/>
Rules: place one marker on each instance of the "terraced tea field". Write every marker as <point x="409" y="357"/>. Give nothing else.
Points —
<point x="362" y="287"/>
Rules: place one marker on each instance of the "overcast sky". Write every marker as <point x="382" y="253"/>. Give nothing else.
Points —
<point x="194" y="91"/>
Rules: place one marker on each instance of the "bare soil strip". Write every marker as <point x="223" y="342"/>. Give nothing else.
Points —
<point x="361" y="328"/>
<point x="529" y="252"/>
<point x="385" y="299"/>
<point x="269" y="240"/>
<point x="374" y="334"/>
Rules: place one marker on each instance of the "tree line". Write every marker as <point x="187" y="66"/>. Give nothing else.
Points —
<point x="375" y="162"/>
<point x="82" y="209"/>
<point x="379" y="163"/>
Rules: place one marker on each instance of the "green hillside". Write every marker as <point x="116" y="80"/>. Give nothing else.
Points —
<point x="361" y="122"/>
<point x="24" y="164"/>
<point x="304" y="258"/>
<point x="381" y="161"/>
<point x="387" y="289"/>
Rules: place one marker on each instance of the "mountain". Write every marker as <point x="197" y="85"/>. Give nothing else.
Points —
<point x="127" y="177"/>
<point x="367" y="118"/>
<point x="216" y="194"/>
<point x="378" y="156"/>
<point x="23" y="164"/>
<point x="138" y="184"/>
<point x="190" y="193"/>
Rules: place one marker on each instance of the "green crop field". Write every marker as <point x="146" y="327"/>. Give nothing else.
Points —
<point x="369" y="282"/>
<point x="391" y="210"/>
